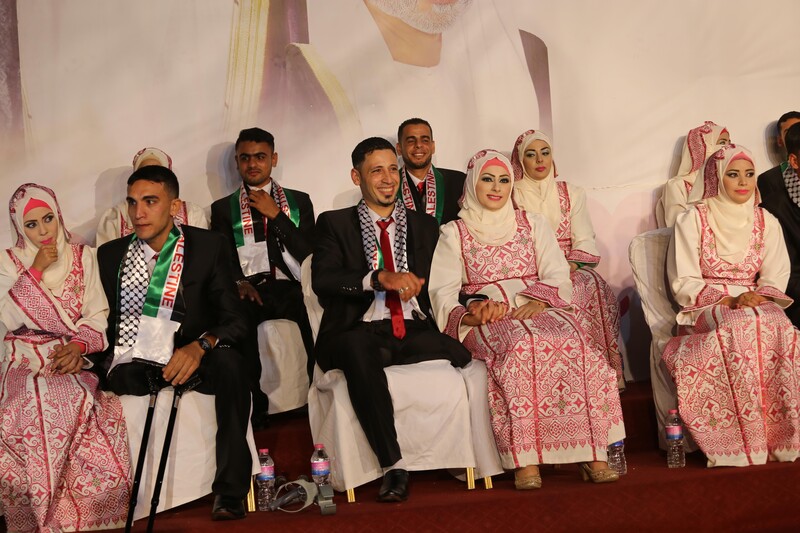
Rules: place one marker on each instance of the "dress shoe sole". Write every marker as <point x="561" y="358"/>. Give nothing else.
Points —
<point x="392" y="498"/>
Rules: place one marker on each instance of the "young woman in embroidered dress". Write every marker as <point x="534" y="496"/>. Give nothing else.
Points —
<point x="552" y="396"/>
<point x="700" y="143"/>
<point x="736" y="359"/>
<point x="563" y="205"/>
<point x="63" y="443"/>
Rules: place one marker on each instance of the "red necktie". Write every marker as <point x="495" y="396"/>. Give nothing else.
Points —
<point x="392" y="298"/>
<point x="421" y="186"/>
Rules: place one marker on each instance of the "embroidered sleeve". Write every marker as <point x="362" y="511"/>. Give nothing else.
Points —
<point x="545" y="293"/>
<point x="780" y="298"/>
<point x="454" y="321"/>
<point x="91" y="338"/>
<point x="579" y="256"/>
<point x="30" y="297"/>
<point x="708" y="296"/>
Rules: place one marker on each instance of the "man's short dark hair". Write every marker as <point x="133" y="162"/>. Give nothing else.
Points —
<point x="158" y="174"/>
<point x="793" y="140"/>
<point x="787" y="116"/>
<point x="366" y="147"/>
<point x="256" y="135"/>
<point x="412" y="122"/>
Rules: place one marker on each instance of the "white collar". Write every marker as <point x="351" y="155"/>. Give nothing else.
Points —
<point x="266" y="188"/>
<point x="148" y="252"/>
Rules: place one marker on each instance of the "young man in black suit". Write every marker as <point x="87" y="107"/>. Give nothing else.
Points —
<point x="369" y="269"/>
<point x="270" y="230"/>
<point x="780" y="195"/>
<point x="172" y="301"/>
<point x="424" y="187"/>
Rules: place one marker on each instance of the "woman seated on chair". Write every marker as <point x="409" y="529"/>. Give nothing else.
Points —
<point x="553" y="398"/>
<point x="736" y="367"/>
<point x="564" y="207"/>
<point x="700" y="143"/>
<point x="63" y="443"/>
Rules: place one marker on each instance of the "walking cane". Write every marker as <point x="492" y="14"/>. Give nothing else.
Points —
<point x="193" y="382"/>
<point x="154" y="386"/>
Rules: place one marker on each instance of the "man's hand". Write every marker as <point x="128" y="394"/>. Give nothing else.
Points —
<point x="66" y="358"/>
<point x="46" y="256"/>
<point x="246" y="290"/>
<point x="529" y="310"/>
<point x="484" y="312"/>
<point x="183" y="363"/>
<point x="264" y="204"/>
<point x="405" y="284"/>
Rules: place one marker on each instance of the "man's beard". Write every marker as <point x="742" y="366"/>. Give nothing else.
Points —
<point x="417" y="166"/>
<point x="437" y="20"/>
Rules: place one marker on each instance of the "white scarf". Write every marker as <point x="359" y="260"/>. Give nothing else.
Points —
<point x="699" y="144"/>
<point x="536" y="196"/>
<point x="53" y="277"/>
<point x="731" y="223"/>
<point x="493" y="228"/>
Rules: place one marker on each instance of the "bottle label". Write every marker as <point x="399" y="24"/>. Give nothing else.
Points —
<point x="674" y="432"/>
<point x="321" y="468"/>
<point x="267" y="473"/>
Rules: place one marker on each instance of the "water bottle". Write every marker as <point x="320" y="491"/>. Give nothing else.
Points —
<point x="320" y="466"/>
<point x="265" y="480"/>
<point x="616" y="457"/>
<point x="676" y="458"/>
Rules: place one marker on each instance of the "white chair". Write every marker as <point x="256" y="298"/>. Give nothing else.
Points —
<point x="431" y="411"/>
<point x="648" y="257"/>
<point x="284" y="378"/>
<point x="191" y="465"/>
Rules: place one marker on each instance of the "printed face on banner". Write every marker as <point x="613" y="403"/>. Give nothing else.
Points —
<point x="537" y="160"/>
<point x="41" y="226"/>
<point x="493" y="187"/>
<point x="739" y="180"/>
<point x="416" y="145"/>
<point x="378" y="179"/>
<point x="428" y="16"/>
<point x="151" y="211"/>
<point x="724" y="138"/>
<point x="255" y="162"/>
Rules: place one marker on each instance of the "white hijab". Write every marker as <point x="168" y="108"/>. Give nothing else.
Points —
<point x="731" y="223"/>
<point x="536" y="196"/>
<point x="54" y="276"/>
<point x="699" y="144"/>
<point x="493" y="228"/>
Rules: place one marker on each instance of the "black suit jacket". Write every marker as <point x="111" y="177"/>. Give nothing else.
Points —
<point x="339" y="266"/>
<point x="281" y="233"/>
<point x="453" y="188"/>
<point x="207" y="288"/>
<point x="775" y="199"/>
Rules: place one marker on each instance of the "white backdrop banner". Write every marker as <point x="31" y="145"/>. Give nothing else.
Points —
<point x="85" y="84"/>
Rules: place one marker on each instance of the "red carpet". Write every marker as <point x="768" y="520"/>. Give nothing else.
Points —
<point x="650" y="497"/>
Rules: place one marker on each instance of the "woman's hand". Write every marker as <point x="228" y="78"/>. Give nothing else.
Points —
<point x="750" y="299"/>
<point x="529" y="310"/>
<point x="66" y="358"/>
<point x="573" y="266"/>
<point x="483" y="312"/>
<point x="46" y="256"/>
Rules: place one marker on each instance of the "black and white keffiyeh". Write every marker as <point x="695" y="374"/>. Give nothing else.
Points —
<point x="792" y="182"/>
<point x="370" y="239"/>
<point x="134" y="281"/>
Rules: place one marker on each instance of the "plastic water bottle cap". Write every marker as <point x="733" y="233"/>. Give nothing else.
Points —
<point x="673" y="411"/>
<point x="619" y="443"/>
<point x="319" y="446"/>
<point x="264" y="451"/>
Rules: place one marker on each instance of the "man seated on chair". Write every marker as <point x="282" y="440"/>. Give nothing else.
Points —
<point x="173" y="302"/>
<point x="271" y="231"/>
<point x="369" y="269"/>
<point x="424" y="187"/>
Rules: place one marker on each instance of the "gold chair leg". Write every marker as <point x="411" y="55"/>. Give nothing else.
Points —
<point x="251" y="497"/>
<point x="351" y="495"/>
<point x="487" y="483"/>
<point x="470" y="478"/>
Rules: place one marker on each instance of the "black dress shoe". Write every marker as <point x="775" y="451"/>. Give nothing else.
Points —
<point x="394" y="487"/>
<point x="227" y="508"/>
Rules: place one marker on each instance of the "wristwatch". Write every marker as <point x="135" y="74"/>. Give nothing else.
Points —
<point x="205" y="344"/>
<point x="374" y="282"/>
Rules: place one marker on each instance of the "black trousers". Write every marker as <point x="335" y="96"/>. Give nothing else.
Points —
<point x="222" y="372"/>
<point x="364" y="351"/>
<point x="282" y="299"/>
